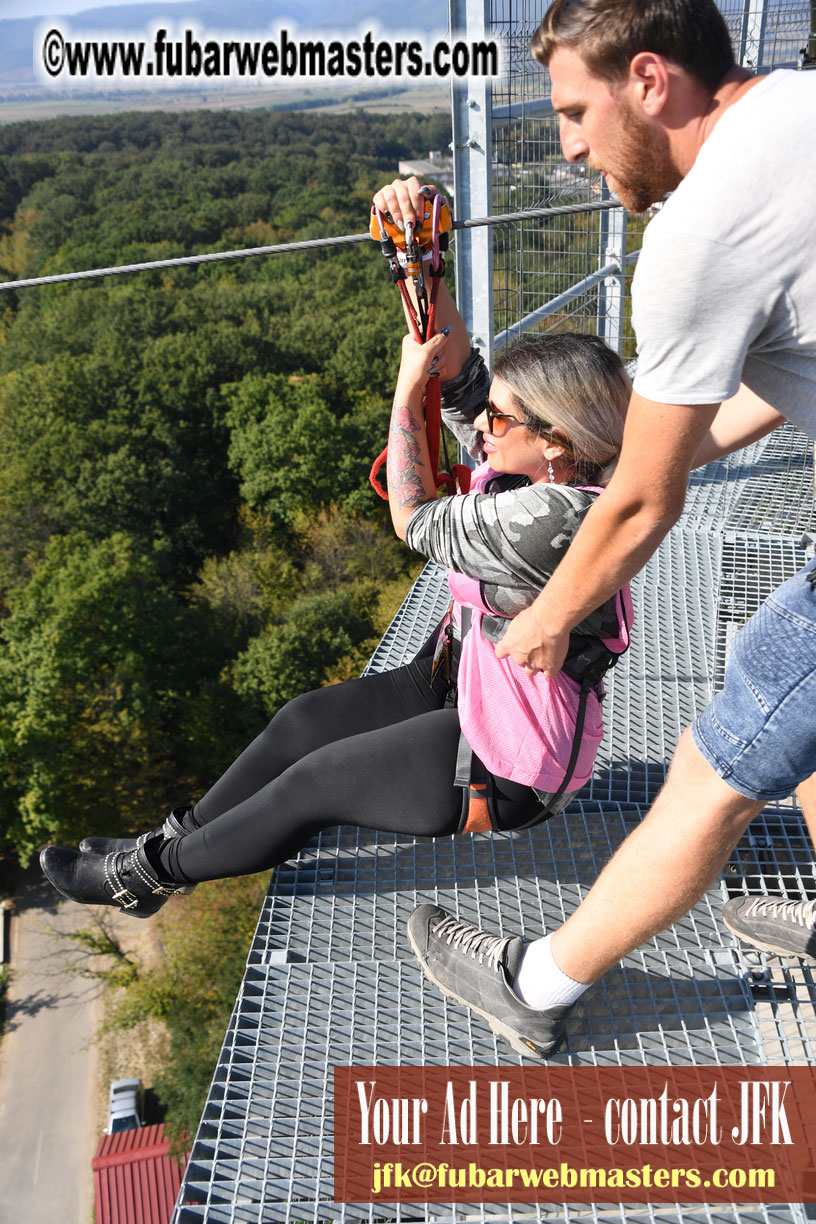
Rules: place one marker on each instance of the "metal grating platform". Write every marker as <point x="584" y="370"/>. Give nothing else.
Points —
<point x="348" y="898"/>
<point x="657" y="1008"/>
<point x="765" y="488"/>
<point x="331" y="944"/>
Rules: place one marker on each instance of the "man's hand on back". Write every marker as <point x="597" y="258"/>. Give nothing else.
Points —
<point x="528" y="644"/>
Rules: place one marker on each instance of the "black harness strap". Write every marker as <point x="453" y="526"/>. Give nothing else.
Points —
<point x="471" y="773"/>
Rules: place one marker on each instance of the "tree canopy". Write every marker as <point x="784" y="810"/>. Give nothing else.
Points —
<point x="184" y="451"/>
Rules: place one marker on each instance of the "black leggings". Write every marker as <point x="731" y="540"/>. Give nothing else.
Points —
<point x="378" y="753"/>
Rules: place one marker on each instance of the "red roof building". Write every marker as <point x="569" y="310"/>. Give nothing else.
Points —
<point x="136" y="1181"/>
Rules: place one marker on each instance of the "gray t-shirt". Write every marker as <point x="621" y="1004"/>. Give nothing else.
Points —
<point x="725" y="287"/>
<point x="511" y="538"/>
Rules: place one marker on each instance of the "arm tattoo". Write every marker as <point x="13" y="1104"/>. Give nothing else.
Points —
<point x="405" y="482"/>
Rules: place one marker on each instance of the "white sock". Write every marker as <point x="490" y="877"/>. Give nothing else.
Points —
<point x="539" y="982"/>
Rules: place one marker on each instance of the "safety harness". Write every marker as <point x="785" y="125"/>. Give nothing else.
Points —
<point x="588" y="661"/>
<point x="408" y="254"/>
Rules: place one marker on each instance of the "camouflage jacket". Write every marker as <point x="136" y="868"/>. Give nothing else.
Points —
<point x="509" y="538"/>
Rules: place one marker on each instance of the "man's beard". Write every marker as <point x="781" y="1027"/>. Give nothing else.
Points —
<point x="644" y="170"/>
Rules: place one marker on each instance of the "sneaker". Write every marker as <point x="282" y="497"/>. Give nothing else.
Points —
<point x="774" y="924"/>
<point x="477" y="970"/>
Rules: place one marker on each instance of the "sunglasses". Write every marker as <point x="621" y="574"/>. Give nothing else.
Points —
<point x="498" y="423"/>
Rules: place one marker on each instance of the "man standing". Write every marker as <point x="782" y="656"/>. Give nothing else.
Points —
<point x="724" y="308"/>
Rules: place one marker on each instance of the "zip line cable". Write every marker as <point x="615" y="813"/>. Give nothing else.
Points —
<point x="309" y="244"/>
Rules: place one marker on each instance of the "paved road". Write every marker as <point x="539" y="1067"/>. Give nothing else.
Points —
<point x="47" y="1070"/>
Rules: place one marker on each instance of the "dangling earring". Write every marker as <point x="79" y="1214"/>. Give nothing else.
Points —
<point x="550" y="471"/>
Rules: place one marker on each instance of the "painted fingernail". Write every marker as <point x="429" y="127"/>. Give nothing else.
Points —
<point x="446" y="330"/>
<point x="401" y="225"/>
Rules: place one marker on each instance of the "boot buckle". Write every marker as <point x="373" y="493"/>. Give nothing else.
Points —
<point x="130" y="902"/>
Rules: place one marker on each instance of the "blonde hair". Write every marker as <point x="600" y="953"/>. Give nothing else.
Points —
<point x="574" y="389"/>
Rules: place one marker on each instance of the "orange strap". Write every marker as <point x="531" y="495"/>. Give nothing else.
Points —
<point x="478" y="818"/>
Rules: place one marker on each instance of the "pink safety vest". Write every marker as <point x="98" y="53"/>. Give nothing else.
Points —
<point x="522" y="727"/>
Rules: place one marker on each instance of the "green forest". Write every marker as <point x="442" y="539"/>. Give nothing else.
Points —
<point x="187" y="534"/>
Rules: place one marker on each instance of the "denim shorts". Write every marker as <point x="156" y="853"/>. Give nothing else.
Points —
<point x="759" y="733"/>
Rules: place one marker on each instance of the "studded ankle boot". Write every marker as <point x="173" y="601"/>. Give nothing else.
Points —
<point x="173" y="827"/>
<point x="126" y="878"/>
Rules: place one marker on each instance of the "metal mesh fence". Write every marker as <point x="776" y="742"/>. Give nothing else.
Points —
<point x="767" y="35"/>
<point x="537" y="261"/>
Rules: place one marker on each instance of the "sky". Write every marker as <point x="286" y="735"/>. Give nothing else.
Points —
<point x="52" y="8"/>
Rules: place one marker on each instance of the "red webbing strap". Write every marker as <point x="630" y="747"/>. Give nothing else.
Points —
<point x="374" y="474"/>
<point x="433" y="423"/>
<point x="379" y="462"/>
<point x="432" y="402"/>
<point x="416" y="325"/>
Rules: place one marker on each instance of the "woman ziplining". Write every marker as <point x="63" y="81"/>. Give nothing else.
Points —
<point x="456" y="740"/>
